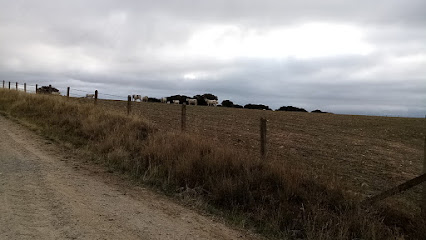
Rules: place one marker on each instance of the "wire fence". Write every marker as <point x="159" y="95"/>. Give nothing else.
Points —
<point x="74" y="92"/>
<point x="218" y="125"/>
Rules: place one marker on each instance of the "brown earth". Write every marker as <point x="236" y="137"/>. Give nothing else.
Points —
<point x="47" y="194"/>
<point x="367" y="154"/>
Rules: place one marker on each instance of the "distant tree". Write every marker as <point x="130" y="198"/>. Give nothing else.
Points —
<point x="153" y="99"/>
<point x="256" y="106"/>
<point x="200" y="98"/>
<point x="227" y="103"/>
<point x="291" y="109"/>
<point x="318" y="111"/>
<point x="181" y="98"/>
<point x="210" y="96"/>
<point x="47" y="89"/>
<point x="238" y="106"/>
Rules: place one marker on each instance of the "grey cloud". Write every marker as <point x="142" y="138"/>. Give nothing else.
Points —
<point x="128" y="41"/>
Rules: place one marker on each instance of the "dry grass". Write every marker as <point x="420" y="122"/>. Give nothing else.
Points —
<point x="368" y="154"/>
<point x="278" y="198"/>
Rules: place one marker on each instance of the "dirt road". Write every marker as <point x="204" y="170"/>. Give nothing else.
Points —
<point x="44" y="194"/>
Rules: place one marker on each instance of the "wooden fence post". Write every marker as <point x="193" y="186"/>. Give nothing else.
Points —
<point x="25" y="87"/>
<point x="36" y="88"/>
<point x="424" y="184"/>
<point x="68" y="92"/>
<point x="183" y="119"/>
<point x="3" y="83"/>
<point x="129" y="104"/>
<point x="16" y="86"/>
<point x="263" y="150"/>
<point x="96" y="97"/>
<point x="9" y="85"/>
<point x="395" y="190"/>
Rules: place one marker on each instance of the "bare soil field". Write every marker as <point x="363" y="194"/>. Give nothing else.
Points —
<point x="367" y="154"/>
<point x="310" y="185"/>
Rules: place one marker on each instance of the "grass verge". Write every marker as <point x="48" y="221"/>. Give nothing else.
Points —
<point x="275" y="199"/>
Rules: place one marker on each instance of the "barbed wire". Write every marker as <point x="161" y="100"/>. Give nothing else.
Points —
<point x="72" y="90"/>
<point x="76" y="95"/>
<point x="111" y="95"/>
<point x="79" y="90"/>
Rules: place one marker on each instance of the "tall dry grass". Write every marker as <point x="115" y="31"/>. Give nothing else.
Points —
<point x="275" y="199"/>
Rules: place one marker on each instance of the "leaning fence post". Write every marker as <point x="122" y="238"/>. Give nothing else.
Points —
<point x="16" y="86"/>
<point x="36" y="88"/>
<point x="129" y="104"/>
<point x="263" y="150"/>
<point x="68" y="92"/>
<point x="96" y="97"/>
<point x="183" y="121"/>
<point x="25" y="87"/>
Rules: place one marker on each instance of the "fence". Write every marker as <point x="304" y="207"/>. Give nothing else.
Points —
<point x="79" y="93"/>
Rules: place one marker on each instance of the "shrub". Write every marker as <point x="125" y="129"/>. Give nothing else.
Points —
<point x="318" y="111"/>
<point x="291" y="109"/>
<point x="257" y="106"/>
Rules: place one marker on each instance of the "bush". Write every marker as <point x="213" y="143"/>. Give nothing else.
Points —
<point x="257" y="106"/>
<point x="318" y="111"/>
<point x="227" y="103"/>
<point x="200" y="98"/>
<point x="47" y="90"/>
<point x="291" y="109"/>
<point x="181" y="98"/>
<point x="153" y="99"/>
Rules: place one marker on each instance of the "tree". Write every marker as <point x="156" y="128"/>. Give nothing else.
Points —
<point x="210" y="96"/>
<point x="200" y="98"/>
<point x="150" y="99"/>
<point x="47" y="89"/>
<point x="318" y="111"/>
<point x="227" y="103"/>
<point x="291" y="109"/>
<point x="181" y="98"/>
<point x="256" y="106"/>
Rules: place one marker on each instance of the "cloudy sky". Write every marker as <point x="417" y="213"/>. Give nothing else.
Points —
<point x="350" y="57"/>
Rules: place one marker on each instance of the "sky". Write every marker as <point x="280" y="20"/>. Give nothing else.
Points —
<point x="348" y="57"/>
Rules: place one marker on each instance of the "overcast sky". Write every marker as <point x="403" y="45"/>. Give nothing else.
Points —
<point x="351" y="57"/>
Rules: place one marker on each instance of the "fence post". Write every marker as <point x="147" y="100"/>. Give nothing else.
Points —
<point x="183" y="119"/>
<point x="424" y="184"/>
<point x="129" y="104"/>
<point x="25" y="87"/>
<point x="16" y="86"/>
<point x="9" y="85"/>
<point x="36" y="88"/>
<point x="68" y="92"/>
<point x="96" y="97"/>
<point x="263" y="150"/>
<point x="3" y="83"/>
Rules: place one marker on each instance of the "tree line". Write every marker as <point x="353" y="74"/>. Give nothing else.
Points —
<point x="201" y="101"/>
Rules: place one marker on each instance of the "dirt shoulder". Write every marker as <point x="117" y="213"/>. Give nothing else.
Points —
<point x="45" y="194"/>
